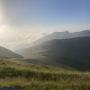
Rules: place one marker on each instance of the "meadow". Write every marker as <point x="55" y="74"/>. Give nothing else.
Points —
<point x="41" y="77"/>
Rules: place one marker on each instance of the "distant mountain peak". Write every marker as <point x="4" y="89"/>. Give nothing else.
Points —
<point x="86" y="31"/>
<point x="65" y="32"/>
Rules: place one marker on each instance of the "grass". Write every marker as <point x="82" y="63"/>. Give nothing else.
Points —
<point x="40" y="77"/>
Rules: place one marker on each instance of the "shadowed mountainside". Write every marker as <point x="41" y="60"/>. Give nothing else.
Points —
<point x="74" y="52"/>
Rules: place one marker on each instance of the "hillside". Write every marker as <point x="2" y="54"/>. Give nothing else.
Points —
<point x="6" y="53"/>
<point x="74" y="52"/>
<point x="18" y="75"/>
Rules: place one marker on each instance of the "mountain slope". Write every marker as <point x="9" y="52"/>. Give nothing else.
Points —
<point x="74" y="52"/>
<point x="6" y="53"/>
<point x="63" y="35"/>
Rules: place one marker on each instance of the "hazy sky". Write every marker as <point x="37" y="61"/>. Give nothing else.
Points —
<point x="23" y="21"/>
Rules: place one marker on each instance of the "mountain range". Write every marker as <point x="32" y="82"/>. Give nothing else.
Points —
<point x="61" y="48"/>
<point x="58" y="48"/>
<point x="62" y="35"/>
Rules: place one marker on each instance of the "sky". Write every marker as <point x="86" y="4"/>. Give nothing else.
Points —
<point x="24" y="21"/>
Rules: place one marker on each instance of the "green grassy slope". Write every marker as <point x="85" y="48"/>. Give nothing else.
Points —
<point x="39" y="77"/>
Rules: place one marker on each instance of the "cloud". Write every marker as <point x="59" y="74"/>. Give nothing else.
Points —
<point x="12" y="37"/>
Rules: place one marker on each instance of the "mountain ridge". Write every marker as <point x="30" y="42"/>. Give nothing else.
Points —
<point x="61" y="35"/>
<point x="6" y="53"/>
<point x="58" y="35"/>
